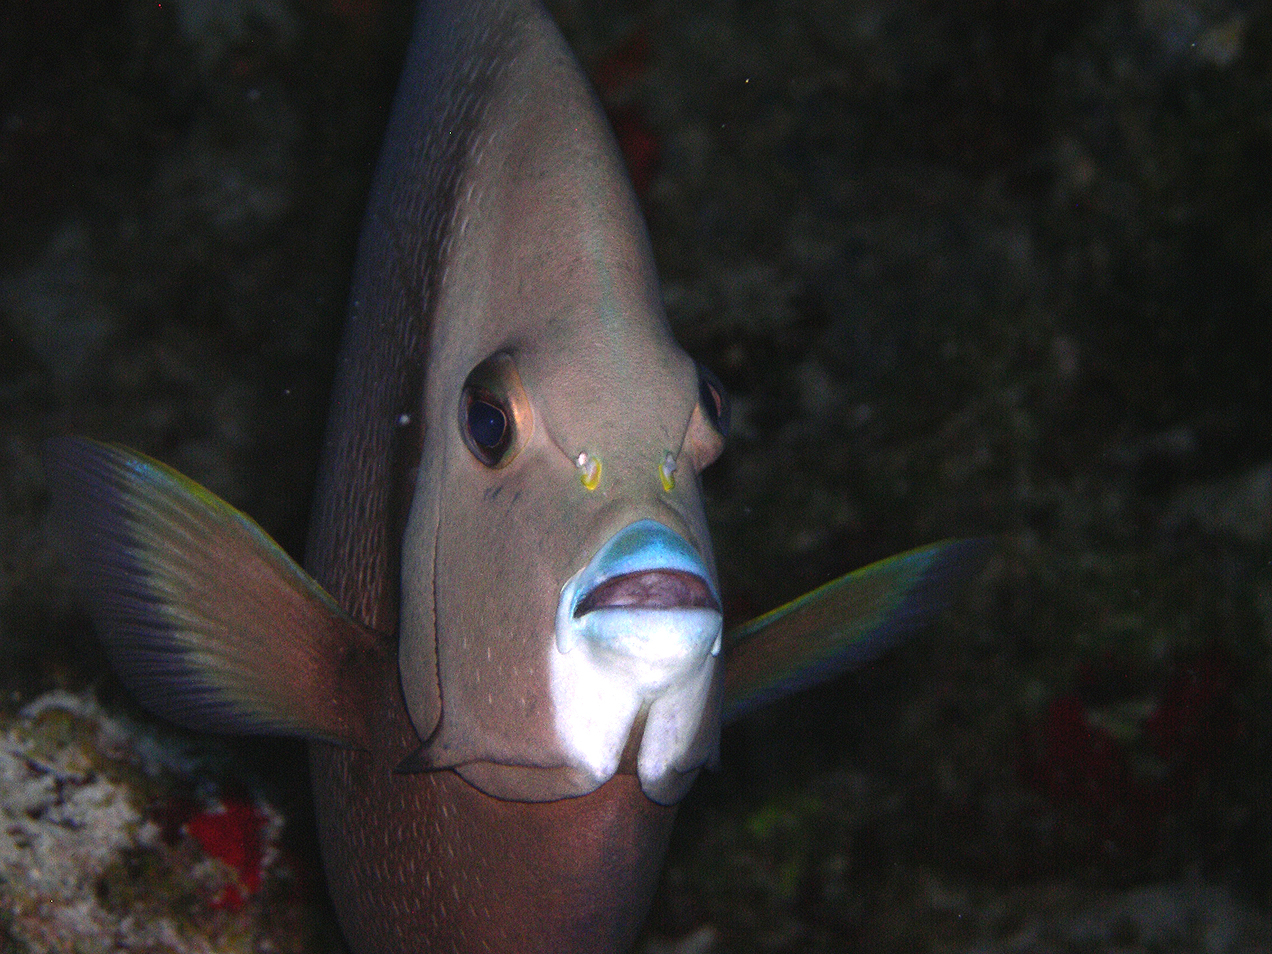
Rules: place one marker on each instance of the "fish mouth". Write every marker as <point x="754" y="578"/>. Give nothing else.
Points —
<point x="650" y="589"/>
<point x="647" y="593"/>
<point x="638" y="636"/>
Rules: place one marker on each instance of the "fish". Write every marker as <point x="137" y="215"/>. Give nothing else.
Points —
<point x="506" y="647"/>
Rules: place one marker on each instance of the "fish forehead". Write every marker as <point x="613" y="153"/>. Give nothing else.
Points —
<point x="627" y="405"/>
<point x="549" y="253"/>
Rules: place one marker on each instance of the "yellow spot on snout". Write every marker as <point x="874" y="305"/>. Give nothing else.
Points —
<point x="667" y="472"/>
<point x="589" y="466"/>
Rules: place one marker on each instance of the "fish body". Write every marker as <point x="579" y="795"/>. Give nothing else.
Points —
<point x="500" y="223"/>
<point x="505" y="648"/>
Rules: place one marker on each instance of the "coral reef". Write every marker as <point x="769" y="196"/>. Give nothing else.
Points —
<point x="106" y="843"/>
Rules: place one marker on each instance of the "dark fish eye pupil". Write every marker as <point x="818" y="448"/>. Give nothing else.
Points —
<point x="486" y="424"/>
<point x="714" y="399"/>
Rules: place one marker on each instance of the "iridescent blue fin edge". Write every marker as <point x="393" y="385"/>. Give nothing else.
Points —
<point x="843" y="624"/>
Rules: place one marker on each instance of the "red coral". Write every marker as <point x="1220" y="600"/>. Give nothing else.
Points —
<point x="1122" y="790"/>
<point x="639" y="144"/>
<point x="233" y="832"/>
<point x="1079" y="762"/>
<point x="1196" y="720"/>
<point x="615" y="75"/>
<point x="624" y="64"/>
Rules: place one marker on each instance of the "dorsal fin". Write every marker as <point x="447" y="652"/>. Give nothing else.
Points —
<point x="205" y="617"/>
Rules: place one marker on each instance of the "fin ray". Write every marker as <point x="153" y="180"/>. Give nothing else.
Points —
<point x="843" y="624"/>
<point x="206" y="619"/>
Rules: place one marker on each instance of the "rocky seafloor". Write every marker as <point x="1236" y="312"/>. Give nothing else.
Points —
<point x="982" y="268"/>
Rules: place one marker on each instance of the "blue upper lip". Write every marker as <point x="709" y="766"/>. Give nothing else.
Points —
<point x="641" y="547"/>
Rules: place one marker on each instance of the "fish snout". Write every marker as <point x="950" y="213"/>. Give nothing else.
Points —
<point x="638" y="632"/>
<point x="646" y="596"/>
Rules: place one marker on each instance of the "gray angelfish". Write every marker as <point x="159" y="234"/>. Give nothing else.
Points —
<point x="507" y="652"/>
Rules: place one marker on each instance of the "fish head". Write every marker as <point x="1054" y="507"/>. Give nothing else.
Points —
<point x="560" y="606"/>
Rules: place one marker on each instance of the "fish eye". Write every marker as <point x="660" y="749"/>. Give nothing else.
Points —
<point x="487" y="423"/>
<point x="487" y="430"/>
<point x="714" y="400"/>
<point x="494" y="411"/>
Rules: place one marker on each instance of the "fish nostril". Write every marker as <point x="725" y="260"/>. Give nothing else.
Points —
<point x="650" y="589"/>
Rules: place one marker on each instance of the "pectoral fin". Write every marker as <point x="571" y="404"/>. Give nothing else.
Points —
<point x="206" y="619"/>
<point x="843" y="624"/>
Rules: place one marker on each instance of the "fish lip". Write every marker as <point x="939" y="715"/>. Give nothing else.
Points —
<point x="644" y="568"/>
<point x="654" y="589"/>
<point x="640" y="547"/>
